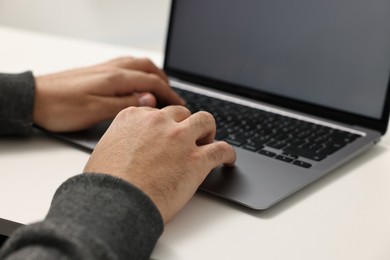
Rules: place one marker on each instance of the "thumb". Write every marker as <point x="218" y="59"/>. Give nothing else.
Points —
<point x="111" y="106"/>
<point x="146" y="100"/>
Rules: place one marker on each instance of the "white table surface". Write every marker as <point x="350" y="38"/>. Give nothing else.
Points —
<point x="345" y="215"/>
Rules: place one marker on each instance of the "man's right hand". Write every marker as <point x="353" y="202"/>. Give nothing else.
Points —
<point x="166" y="153"/>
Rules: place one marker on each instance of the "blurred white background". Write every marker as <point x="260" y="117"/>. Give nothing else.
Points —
<point x="135" y="23"/>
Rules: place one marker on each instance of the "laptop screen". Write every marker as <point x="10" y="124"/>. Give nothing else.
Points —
<point x="333" y="53"/>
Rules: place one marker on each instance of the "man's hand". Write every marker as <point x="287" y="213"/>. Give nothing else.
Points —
<point x="166" y="153"/>
<point x="77" y="99"/>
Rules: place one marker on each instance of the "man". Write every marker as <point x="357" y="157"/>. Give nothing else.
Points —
<point x="146" y="167"/>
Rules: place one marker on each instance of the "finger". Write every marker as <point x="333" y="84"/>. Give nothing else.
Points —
<point x="146" y="100"/>
<point x="142" y="64"/>
<point x="147" y="65"/>
<point x="109" y="107"/>
<point x="137" y="81"/>
<point x="178" y="113"/>
<point x="203" y="127"/>
<point x="219" y="153"/>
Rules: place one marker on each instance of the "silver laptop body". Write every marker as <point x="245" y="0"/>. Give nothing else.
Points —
<point x="324" y="62"/>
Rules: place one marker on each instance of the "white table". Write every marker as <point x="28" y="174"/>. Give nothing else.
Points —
<point x="345" y="215"/>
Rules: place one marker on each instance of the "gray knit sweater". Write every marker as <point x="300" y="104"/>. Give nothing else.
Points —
<point x="92" y="216"/>
<point x="16" y="103"/>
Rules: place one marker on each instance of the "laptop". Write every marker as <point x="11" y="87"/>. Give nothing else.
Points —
<point x="297" y="87"/>
<point x="6" y="229"/>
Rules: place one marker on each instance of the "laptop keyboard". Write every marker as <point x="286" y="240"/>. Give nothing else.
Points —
<point x="283" y="138"/>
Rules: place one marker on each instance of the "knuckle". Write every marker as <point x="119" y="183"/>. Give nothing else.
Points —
<point x="125" y="113"/>
<point x="113" y="74"/>
<point x="220" y="149"/>
<point x="156" y="117"/>
<point x="185" y="110"/>
<point x="180" y="109"/>
<point x="122" y="60"/>
<point x="207" y="116"/>
<point x="157" y="80"/>
<point x="145" y="62"/>
<point x="177" y="132"/>
<point x="204" y="119"/>
<point x="198" y="159"/>
<point x="139" y="117"/>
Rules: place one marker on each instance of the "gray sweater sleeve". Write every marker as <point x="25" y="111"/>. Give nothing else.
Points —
<point x="16" y="103"/>
<point x="92" y="216"/>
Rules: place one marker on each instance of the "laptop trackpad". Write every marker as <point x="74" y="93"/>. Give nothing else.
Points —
<point x="257" y="181"/>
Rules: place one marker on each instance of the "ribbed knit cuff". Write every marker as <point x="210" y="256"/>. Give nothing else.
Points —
<point x="16" y="103"/>
<point x="112" y="211"/>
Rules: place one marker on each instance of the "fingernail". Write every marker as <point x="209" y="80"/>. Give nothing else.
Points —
<point x="145" y="100"/>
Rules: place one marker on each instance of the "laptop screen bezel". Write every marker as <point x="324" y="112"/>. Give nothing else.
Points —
<point x="290" y="103"/>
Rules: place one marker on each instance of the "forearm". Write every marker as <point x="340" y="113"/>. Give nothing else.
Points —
<point x="92" y="216"/>
<point x="16" y="103"/>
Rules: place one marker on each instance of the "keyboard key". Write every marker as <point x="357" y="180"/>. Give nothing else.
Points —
<point x="302" y="164"/>
<point x="221" y="133"/>
<point x="343" y="137"/>
<point x="254" y="144"/>
<point x="309" y="154"/>
<point x="267" y="153"/>
<point x="329" y="148"/>
<point x="252" y="147"/>
<point x="277" y="144"/>
<point x="284" y="158"/>
<point x="253" y="129"/>
<point x="233" y="142"/>
<point x="236" y="139"/>
<point x="294" y="156"/>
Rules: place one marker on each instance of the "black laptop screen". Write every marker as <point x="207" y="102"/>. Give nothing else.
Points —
<point x="330" y="53"/>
